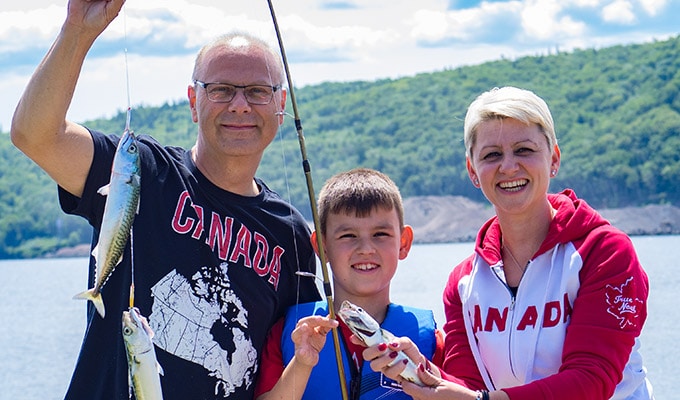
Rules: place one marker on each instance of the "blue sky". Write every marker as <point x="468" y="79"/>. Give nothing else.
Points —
<point x="326" y="40"/>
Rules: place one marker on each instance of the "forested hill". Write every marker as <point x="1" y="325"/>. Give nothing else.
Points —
<point x="616" y="110"/>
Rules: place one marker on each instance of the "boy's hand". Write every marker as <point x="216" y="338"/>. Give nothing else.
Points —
<point x="309" y="337"/>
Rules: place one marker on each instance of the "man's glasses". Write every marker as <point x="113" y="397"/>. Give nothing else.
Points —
<point x="224" y="92"/>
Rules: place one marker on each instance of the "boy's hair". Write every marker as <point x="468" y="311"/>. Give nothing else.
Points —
<point x="359" y="191"/>
<point x="508" y="102"/>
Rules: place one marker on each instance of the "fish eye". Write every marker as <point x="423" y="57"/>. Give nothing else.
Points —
<point x="127" y="331"/>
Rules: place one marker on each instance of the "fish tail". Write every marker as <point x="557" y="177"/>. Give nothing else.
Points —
<point x="95" y="298"/>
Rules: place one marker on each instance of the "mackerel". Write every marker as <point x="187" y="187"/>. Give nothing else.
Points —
<point x="122" y="203"/>
<point x="369" y="331"/>
<point x="143" y="366"/>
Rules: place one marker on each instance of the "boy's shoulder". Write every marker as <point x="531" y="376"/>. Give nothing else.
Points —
<point x="305" y="309"/>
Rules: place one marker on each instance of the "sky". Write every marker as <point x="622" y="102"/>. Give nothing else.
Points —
<point x="146" y="55"/>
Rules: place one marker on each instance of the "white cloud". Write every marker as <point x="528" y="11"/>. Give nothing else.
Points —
<point x="619" y="11"/>
<point x="653" y="7"/>
<point x="303" y="34"/>
<point x="464" y="25"/>
<point x="543" y="20"/>
<point x="37" y="28"/>
<point x="153" y="81"/>
<point x="583" y="3"/>
<point x="363" y="40"/>
<point x="430" y="25"/>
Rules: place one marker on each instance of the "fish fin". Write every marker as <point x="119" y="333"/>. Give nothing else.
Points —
<point x="95" y="253"/>
<point x="104" y="190"/>
<point x="96" y="299"/>
<point x="133" y="367"/>
<point x="138" y="182"/>
<point x="135" y="179"/>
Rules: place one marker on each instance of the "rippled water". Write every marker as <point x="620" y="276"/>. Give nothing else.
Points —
<point x="41" y="327"/>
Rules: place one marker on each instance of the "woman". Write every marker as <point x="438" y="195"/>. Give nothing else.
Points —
<point x="552" y="301"/>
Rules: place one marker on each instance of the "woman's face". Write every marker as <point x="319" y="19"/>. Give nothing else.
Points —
<point x="512" y="164"/>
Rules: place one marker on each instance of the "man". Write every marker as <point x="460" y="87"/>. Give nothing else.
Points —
<point x="215" y="251"/>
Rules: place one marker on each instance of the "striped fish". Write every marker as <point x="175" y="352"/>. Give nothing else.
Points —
<point x="369" y="331"/>
<point x="143" y="366"/>
<point x="122" y="203"/>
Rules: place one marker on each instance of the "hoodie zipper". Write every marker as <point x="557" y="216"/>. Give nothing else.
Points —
<point x="511" y="316"/>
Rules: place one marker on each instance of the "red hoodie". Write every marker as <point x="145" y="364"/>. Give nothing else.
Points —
<point x="570" y="332"/>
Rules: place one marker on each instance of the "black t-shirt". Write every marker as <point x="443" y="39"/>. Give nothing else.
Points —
<point x="212" y="271"/>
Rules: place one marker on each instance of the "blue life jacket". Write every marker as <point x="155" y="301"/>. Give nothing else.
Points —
<point x="416" y="323"/>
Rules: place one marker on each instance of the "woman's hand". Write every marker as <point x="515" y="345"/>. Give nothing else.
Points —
<point x="380" y="356"/>
<point x="436" y="388"/>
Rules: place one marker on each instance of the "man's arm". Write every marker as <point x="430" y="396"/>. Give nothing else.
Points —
<point x="39" y="127"/>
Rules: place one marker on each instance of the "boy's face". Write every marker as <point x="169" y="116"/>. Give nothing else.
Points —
<point x="364" y="252"/>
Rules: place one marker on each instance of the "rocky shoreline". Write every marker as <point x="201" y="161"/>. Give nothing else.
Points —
<point x="450" y="219"/>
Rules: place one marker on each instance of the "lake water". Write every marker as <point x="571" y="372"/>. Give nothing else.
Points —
<point x="42" y="327"/>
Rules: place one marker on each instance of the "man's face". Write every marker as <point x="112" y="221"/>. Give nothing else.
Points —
<point x="237" y="127"/>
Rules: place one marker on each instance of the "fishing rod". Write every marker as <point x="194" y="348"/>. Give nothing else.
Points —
<point x="306" y="166"/>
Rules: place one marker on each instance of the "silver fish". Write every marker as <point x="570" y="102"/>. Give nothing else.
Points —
<point x="142" y="364"/>
<point x="122" y="203"/>
<point x="369" y="331"/>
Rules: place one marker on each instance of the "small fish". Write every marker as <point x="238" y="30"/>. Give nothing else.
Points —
<point x="369" y="331"/>
<point x="142" y="364"/>
<point x="122" y="203"/>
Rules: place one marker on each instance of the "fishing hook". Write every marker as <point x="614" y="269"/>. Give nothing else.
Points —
<point x="306" y="166"/>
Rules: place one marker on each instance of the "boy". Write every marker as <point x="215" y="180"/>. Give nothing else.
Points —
<point x="364" y="236"/>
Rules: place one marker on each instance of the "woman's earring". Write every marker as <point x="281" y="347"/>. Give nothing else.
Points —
<point x="553" y="172"/>
<point x="476" y="181"/>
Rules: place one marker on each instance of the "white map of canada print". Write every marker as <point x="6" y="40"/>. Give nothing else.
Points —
<point x="186" y="313"/>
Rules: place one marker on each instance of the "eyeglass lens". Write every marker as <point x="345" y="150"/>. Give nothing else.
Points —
<point x="255" y="94"/>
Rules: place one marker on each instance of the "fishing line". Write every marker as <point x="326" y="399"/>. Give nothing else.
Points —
<point x="292" y="227"/>
<point x="310" y="190"/>
<point x="279" y="132"/>
<point x="285" y="169"/>
<point x="127" y="128"/>
<point x="132" y="270"/>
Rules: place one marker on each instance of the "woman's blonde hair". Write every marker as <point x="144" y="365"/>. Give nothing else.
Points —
<point x="508" y="102"/>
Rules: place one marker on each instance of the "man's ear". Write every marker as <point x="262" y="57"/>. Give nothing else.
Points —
<point x="282" y="105"/>
<point x="191" y="94"/>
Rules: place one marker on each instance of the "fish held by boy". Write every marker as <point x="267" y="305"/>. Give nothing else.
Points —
<point x="143" y="366"/>
<point x="364" y="327"/>
<point x="122" y="203"/>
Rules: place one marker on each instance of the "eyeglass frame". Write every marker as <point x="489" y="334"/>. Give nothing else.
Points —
<point x="205" y="85"/>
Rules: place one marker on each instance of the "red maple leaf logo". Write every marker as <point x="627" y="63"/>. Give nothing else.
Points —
<point x="621" y="305"/>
